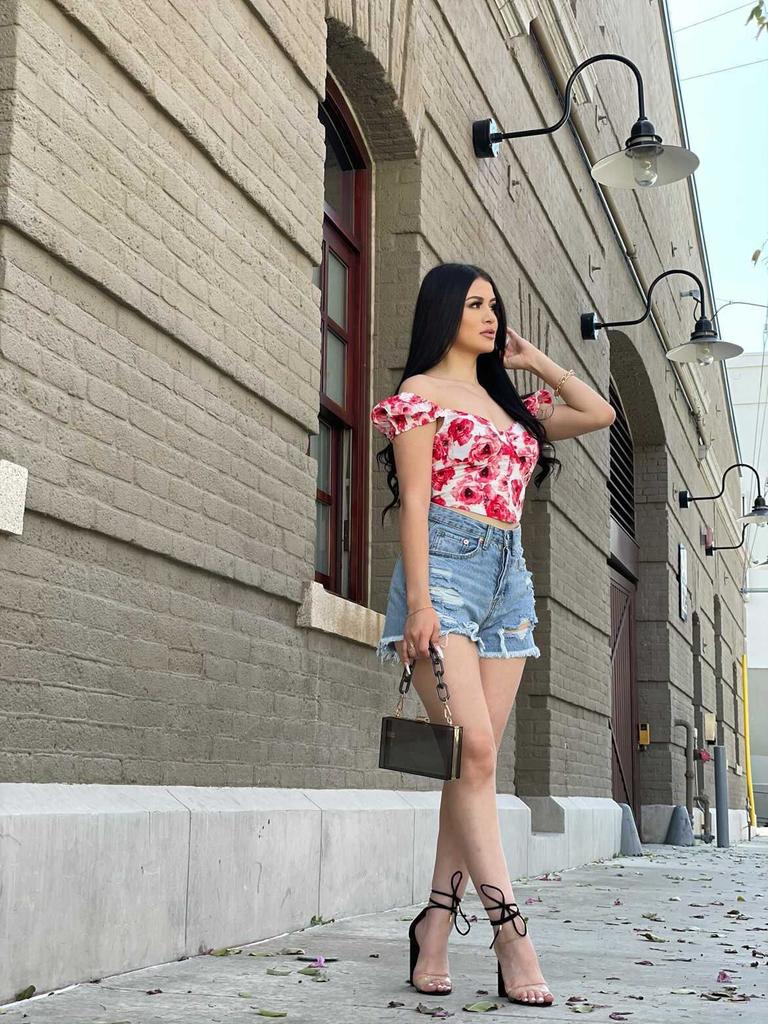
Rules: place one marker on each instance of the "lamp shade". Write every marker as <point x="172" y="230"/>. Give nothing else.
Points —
<point x="645" y="161"/>
<point x="759" y="514"/>
<point x="704" y="352"/>
<point x="704" y="346"/>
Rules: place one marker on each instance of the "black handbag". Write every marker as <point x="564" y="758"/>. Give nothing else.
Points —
<point x="416" y="745"/>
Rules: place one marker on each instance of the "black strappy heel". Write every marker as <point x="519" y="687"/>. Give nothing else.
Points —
<point x="510" y="912"/>
<point x="432" y="904"/>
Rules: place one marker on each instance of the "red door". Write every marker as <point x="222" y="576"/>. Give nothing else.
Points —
<point x="624" y="691"/>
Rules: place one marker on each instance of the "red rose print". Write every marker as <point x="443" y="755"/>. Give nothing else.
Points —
<point x="440" y="448"/>
<point x="440" y="477"/>
<point x="460" y="430"/>
<point x="484" y="448"/>
<point x="472" y="467"/>
<point x="488" y="472"/>
<point x="497" y="509"/>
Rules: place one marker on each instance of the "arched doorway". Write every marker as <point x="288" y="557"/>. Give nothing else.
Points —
<point x="623" y="563"/>
<point x="639" y="559"/>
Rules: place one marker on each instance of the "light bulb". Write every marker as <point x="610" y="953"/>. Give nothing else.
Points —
<point x="704" y="355"/>
<point x="645" y="168"/>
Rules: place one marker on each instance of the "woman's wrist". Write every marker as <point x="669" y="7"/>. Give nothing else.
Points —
<point x="546" y="368"/>
<point x="421" y="609"/>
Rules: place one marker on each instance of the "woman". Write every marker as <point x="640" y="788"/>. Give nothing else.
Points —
<point x="463" y="446"/>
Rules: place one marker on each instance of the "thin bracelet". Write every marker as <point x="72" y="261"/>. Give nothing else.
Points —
<point x="418" y="610"/>
<point x="563" y="379"/>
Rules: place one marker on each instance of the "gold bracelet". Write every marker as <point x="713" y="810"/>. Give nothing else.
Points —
<point x="418" y="610"/>
<point x="563" y="379"/>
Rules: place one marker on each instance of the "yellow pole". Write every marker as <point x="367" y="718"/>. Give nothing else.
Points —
<point x="747" y="757"/>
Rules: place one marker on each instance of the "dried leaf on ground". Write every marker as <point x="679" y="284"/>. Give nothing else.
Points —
<point x="650" y="937"/>
<point x="433" y="1011"/>
<point x="271" y="1013"/>
<point x="279" y="972"/>
<point x="481" y="1007"/>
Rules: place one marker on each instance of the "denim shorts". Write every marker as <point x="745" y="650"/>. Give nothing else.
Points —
<point x="478" y="585"/>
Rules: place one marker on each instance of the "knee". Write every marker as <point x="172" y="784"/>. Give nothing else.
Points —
<point x="478" y="755"/>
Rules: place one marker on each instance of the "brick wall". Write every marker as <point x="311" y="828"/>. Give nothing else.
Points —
<point x="162" y="196"/>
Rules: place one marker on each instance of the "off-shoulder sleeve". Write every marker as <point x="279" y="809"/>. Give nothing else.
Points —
<point x="392" y="415"/>
<point x="540" y="404"/>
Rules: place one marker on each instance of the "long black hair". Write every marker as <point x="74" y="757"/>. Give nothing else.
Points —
<point x="436" y="321"/>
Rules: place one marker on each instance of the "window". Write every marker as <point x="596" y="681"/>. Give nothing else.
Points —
<point x="621" y="479"/>
<point x="341" y="444"/>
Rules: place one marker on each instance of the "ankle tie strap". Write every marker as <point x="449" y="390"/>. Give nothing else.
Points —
<point x="507" y="912"/>
<point x="455" y="907"/>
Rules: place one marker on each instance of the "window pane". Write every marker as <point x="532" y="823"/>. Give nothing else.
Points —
<point x="322" y="521"/>
<point x="346" y="511"/>
<point x="334" y="368"/>
<point x="338" y="187"/>
<point x="337" y="290"/>
<point x="320" y="449"/>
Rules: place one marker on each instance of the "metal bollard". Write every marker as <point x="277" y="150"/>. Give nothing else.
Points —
<point x="721" y="796"/>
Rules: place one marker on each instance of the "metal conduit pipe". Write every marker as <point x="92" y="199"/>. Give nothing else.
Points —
<point x="701" y="800"/>
<point x="689" y="772"/>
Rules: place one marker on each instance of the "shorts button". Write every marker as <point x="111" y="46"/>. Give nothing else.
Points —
<point x="465" y="541"/>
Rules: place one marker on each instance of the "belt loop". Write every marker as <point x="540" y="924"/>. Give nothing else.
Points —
<point x="486" y="536"/>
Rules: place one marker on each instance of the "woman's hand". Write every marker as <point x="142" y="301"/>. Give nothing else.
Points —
<point x="519" y="353"/>
<point x="421" y="629"/>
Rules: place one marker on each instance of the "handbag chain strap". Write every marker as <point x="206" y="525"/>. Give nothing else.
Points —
<point x="442" y="689"/>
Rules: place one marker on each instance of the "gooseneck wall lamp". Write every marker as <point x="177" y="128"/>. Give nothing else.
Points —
<point x="704" y="346"/>
<point x="758" y="516"/>
<point x="645" y="160"/>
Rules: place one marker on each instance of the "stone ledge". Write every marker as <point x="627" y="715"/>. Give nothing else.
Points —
<point x="320" y="609"/>
<point x="13" y="496"/>
<point x="185" y="868"/>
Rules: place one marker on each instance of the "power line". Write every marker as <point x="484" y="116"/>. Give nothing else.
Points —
<point x="733" y="67"/>
<point x="713" y="18"/>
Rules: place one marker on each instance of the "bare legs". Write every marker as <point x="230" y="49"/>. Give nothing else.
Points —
<point x="469" y="837"/>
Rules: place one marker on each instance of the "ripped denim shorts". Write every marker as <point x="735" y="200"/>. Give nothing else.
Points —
<point x="478" y="585"/>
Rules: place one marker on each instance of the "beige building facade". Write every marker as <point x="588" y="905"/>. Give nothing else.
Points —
<point x="215" y="220"/>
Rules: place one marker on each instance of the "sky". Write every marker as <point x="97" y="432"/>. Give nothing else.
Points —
<point x="727" y="120"/>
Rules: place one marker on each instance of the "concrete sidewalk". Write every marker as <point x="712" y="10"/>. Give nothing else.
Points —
<point x="595" y="952"/>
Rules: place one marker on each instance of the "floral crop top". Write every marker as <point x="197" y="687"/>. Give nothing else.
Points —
<point x="475" y="466"/>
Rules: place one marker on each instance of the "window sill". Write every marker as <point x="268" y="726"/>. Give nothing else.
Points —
<point x="319" y="609"/>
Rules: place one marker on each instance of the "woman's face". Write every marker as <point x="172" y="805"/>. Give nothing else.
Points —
<point x="477" y="330"/>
